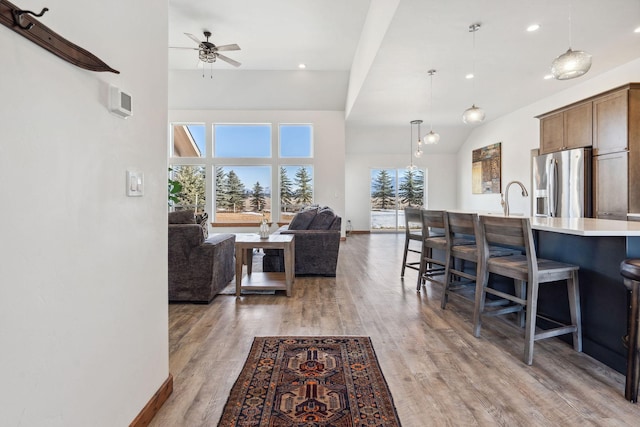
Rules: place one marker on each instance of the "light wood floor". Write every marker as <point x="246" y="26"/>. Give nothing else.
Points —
<point x="438" y="373"/>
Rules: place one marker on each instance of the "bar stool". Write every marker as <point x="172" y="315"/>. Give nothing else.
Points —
<point x="432" y="238"/>
<point x="630" y="270"/>
<point x="461" y="231"/>
<point x="412" y="233"/>
<point x="523" y="269"/>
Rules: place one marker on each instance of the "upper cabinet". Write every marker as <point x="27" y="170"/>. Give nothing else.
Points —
<point x="551" y="133"/>
<point x="566" y="129"/>
<point x="610" y="123"/>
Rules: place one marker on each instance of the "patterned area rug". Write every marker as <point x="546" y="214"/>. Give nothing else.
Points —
<point x="310" y="381"/>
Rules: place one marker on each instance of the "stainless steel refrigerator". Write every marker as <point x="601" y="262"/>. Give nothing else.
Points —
<point x="561" y="184"/>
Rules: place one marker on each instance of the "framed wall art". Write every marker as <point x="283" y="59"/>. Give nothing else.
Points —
<point x="485" y="170"/>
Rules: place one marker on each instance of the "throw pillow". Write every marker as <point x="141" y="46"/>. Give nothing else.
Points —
<point x="323" y="219"/>
<point x="203" y="220"/>
<point x="302" y="219"/>
<point x="182" y="217"/>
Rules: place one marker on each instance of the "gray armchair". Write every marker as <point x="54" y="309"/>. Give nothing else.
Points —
<point x="317" y="241"/>
<point x="200" y="266"/>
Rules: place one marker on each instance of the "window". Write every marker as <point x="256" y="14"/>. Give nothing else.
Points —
<point x="296" y="141"/>
<point x="243" y="193"/>
<point x="254" y="170"/>
<point x="188" y="140"/>
<point x="242" y="141"/>
<point x="192" y="179"/>
<point x="296" y="189"/>
<point x="391" y="191"/>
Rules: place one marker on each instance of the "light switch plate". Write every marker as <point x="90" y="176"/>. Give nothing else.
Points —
<point x="135" y="183"/>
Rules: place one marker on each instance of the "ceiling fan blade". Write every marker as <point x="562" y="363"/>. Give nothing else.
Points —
<point x="194" y="38"/>
<point x="180" y="47"/>
<point x="228" y="47"/>
<point x="229" y="60"/>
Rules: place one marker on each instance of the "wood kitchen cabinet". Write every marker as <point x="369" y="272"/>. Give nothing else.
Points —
<point x="616" y="129"/>
<point x="611" y="187"/>
<point x="610" y="122"/>
<point x="551" y="133"/>
<point x="567" y="129"/>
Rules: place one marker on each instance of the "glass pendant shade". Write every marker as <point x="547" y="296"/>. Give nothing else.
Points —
<point x="418" y="153"/>
<point x="473" y="115"/>
<point x="571" y="64"/>
<point x="431" y="138"/>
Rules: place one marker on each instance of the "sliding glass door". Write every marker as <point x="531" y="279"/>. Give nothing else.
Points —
<point x="391" y="190"/>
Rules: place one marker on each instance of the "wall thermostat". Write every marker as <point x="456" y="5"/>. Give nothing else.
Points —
<point x="120" y="102"/>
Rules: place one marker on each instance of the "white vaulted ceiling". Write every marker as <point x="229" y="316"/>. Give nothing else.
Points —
<point x="371" y="57"/>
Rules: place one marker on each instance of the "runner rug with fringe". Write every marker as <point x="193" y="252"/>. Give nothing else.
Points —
<point x="310" y="381"/>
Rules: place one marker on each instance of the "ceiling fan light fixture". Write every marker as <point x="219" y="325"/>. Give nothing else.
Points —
<point x="208" y="52"/>
<point x="207" y="56"/>
<point x="571" y="64"/>
<point x="473" y="115"/>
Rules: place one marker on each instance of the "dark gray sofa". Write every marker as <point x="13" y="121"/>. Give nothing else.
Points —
<point x="317" y="242"/>
<point x="200" y="266"/>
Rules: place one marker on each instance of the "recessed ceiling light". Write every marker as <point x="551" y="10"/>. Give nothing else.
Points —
<point x="469" y="76"/>
<point x="302" y="66"/>
<point x="533" y="27"/>
<point x="637" y="30"/>
<point x="548" y="77"/>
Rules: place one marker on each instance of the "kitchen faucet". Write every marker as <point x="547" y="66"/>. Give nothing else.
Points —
<point x="504" y="197"/>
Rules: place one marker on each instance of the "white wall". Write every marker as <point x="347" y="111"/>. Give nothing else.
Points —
<point x="257" y="90"/>
<point x="328" y="141"/>
<point x="83" y="268"/>
<point x="388" y="147"/>
<point x="519" y="133"/>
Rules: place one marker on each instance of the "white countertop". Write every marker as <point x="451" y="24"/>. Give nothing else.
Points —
<point x="586" y="226"/>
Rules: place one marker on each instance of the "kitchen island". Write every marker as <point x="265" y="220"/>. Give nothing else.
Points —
<point x="597" y="246"/>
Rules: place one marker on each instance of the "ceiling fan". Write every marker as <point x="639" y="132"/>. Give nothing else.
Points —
<point x="209" y="52"/>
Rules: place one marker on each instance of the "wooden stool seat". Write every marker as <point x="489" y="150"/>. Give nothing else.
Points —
<point x="461" y="229"/>
<point x="528" y="272"/>
<point x="432" y="238"/>
<point x="412" y="233"/>
<point x="630" y="270"/>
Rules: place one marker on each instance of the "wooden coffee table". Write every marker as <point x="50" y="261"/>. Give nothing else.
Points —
<point x="246" y="243"/>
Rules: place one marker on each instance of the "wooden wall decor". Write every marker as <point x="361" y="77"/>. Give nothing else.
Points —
<point x="24" y="22"/>
<point x="486" y="170"/>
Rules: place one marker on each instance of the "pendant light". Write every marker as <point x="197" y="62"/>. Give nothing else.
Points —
<point x="572" y="63"/>
<point x="473" y="114"/>
<point x="431" y="137"/>
<point x="419" y="151"/>
<point x="411" y="165"/>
